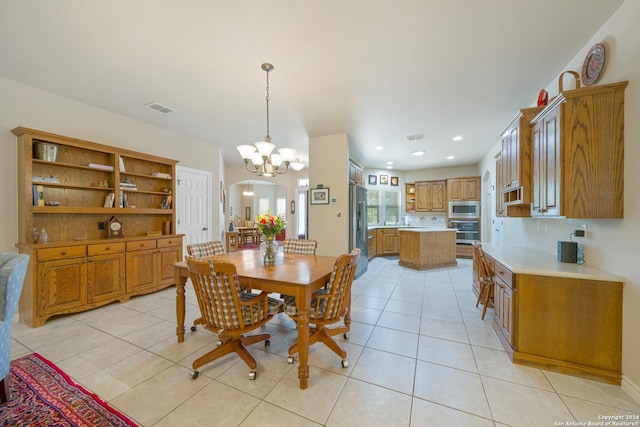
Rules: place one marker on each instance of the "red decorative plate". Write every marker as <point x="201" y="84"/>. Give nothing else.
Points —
<point x="593" y="63"/>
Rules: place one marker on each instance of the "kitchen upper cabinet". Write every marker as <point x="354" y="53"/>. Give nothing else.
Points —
<point x="431" y="196"/>
<point x="516" y="153"/>
<point x="356" y="174"/>
<point x="467" y="188"/>
<point x="578" y="154"/>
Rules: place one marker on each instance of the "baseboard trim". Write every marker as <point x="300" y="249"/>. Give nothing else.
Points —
<point x="631" y="388"/>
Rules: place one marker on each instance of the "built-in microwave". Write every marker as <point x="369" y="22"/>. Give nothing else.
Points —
<point x="464" y="209"/>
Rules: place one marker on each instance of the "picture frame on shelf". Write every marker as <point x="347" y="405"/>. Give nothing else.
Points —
<point x="373" y="180"/>
<point x="384" y="179"/>
<point x="394" y="181"/>
<point x="319" y="196"/>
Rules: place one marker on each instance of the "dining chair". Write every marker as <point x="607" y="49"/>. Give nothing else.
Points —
<point x="329" y="305"/>
<point x="205" y="249"/>
<point x="229" y="312"/>
<point x="300" y="246"/>
<point x="199" y="251"/>
<point x="485" y="278"/>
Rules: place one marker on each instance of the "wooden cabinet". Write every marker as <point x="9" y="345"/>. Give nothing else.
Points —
<point x="504" y="302"/>
<point x="371" y="243"/>
<point x="169" y="252"/>
<point x="356" y="174"/>
<point x="549" y="321"/>
<point x="516" y="163"/>
<point x="79" y="268"/>
<point x="466" y="188"/>
<point x="62" y="275"/>
<point x="410" y="197"/>
<point x="105" y="272"/>
<point x="387" y="241"/>
<point x="578" y="154"/>
<point x="431" y="196"/>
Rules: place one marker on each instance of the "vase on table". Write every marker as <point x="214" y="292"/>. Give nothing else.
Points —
<point x="269" y="249"/>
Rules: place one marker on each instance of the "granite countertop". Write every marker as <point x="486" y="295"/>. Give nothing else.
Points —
<point x="373" y="227"/>
<point x="524" y="260"/>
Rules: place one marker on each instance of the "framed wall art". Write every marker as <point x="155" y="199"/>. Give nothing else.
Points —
<point x="319" y="196"/>
<point x="394" y="181"/>
<point x="373" y="180"/>
<point x="384" y="179"/>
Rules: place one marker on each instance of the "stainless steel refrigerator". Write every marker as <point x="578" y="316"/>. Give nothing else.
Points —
<point x="358" y="224"/>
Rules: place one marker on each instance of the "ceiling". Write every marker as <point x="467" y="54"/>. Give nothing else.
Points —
<point x="379" y="70"/>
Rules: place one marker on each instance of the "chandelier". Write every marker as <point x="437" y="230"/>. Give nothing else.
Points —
<point x="263" y="161"/>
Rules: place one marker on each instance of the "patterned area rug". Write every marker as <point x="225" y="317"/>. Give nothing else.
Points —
<point x="43" y="395"/>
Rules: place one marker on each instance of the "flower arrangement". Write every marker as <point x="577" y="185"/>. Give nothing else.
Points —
<point x="270" y="225"/>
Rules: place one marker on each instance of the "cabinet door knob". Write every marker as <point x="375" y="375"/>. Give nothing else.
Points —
<point x="63" y="253"/>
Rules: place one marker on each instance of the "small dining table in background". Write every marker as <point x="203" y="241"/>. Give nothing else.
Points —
<point x="292" y="274"/>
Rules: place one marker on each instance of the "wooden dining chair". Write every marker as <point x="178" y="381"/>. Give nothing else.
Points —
<point x="485" y="278"/>
<point x="300" y="246"/>
<point x="205" y="249"/>
<point x="199" y="251"/>
<point x="329" y="305"/>
<point x="228" y="311"/>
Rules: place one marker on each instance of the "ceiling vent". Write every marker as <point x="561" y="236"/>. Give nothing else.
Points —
<point x="415" y="137"/>
<point x="160" y="107"/>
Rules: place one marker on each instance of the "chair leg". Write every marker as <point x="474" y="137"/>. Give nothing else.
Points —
<point x="217" y="353"/>
<point x="329" y="342"/>
<point x="252" y="339"/>
<point x="486" y="300"/>
<point x="5" y="393"/>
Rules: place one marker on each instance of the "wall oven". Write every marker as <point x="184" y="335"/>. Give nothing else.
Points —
<point x="467" y="230"/>
<point x="464" y="209"/>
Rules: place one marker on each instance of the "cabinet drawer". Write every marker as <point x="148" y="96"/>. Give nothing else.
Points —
<point x="168" y="242"/>
<point x="504" y="274"/>
<point x="388" y="230"/>
<point x="63" y="252"/>
<point x="105" y="248"/>
<point x="138" y="245"/>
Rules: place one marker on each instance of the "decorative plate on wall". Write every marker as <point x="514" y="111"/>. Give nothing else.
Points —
<point x="593" y="64"/>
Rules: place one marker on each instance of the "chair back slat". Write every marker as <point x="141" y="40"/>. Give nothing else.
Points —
<point x="205" y="249"/>
<point x="300" y="246"/>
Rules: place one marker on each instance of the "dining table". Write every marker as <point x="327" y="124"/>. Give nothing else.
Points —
<point x="291" y="274"/>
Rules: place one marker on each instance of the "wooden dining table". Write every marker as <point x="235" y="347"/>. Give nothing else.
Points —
<point x="292" y="274"/>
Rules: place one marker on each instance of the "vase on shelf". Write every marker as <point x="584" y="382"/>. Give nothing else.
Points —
<point x="269" y="249"/>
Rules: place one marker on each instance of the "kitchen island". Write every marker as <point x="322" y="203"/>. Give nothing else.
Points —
<point x="427" y="248"/>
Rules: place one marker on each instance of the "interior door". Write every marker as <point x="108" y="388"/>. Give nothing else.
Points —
<point x="192" y="207"/>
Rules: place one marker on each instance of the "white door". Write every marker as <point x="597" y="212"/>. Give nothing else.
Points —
<point x="192" y="207"/>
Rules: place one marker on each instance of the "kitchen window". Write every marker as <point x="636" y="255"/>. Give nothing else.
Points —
<point x="383" y="207"/>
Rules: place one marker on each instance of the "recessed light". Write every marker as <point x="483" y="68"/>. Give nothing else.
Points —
<point x="389" y="167"/>
<point x="451" y="157"/>
<point x="389" y="163"/>
<point x="458" y="138"/>
<point x="417" y="153"/>
<point x="379" y="147"/>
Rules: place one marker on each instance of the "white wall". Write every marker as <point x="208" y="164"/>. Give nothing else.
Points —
<point x="611" y="245"/>
<point x="22" y="105"/>
<point x="329" y="166"/>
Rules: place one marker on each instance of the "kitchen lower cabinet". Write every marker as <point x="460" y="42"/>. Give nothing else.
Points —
<point x="569" y="322"/>
<point x="388" y="241"/>
<point x="371" y="243"/>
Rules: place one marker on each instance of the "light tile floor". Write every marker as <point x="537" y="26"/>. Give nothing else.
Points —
<point x="419" y="355"/>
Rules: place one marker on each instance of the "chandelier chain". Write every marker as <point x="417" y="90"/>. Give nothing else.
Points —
<point x="267" y="99"/>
